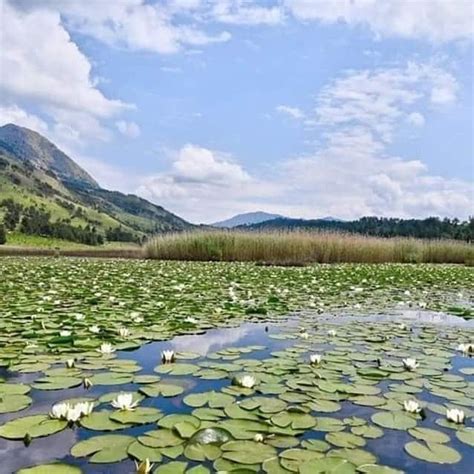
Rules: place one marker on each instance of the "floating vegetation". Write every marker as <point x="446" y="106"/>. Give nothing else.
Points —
<point x="376" y="397"/>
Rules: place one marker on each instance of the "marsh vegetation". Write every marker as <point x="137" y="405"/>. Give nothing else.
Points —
<point x="304" y="247"/>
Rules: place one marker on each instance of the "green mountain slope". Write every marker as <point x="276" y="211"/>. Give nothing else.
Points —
<point x="39" y="182"/>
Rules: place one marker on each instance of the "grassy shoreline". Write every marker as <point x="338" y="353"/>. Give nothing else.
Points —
<point x="301" y="248"/>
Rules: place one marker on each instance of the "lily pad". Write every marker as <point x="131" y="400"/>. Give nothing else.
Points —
<point x="103" y="449"/>
<point x="394" y="420"/>
<point x="433" y="452"/>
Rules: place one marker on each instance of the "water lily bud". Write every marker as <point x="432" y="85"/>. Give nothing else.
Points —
<point x="144" y="467"/>
<point x="258" y="438"/>
<point x="87" y="383"/>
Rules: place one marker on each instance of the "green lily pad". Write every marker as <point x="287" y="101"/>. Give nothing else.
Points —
<point x="103" y="449"/>
<point x="51" y="468"/>
<point x="433" y="452"/>
<point x="141" y="452"/>
<point x="161" y="388"/>
<point x="394" y="420"/>
<point x="466" y="435"/>
<point x="247" y="452"/>
<point x="202" y="452"/>
<point x="137" y="416"/>
<point x="34" y="426"/>
<point x="101" y="421"/>
<point x="15" y="402"/>
<point x="345" y="440"/>
<point x="429" y="435"/>
<point x="327" y="466"/>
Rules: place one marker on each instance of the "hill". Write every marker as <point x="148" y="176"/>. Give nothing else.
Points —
<point x="44" y="192"/>
<point x="247" y="218"/>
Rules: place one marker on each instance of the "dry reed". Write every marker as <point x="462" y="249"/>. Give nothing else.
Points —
<point x="299" y="248"/>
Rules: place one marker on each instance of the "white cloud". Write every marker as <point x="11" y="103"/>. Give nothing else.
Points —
<point x="203" y="182"/>
<point x="415" y="118"/>
<point x="18" y="116"/>
<point x="136" y="24"/>
<point x="351" y="174"/>
<point x="240" y="12"/>
<point x="49" y="70"/>
<point x="378" y="99"/>
<point x="129" y="129"/>
<point x="434" y="20"/>
<point x="293" y="112"/>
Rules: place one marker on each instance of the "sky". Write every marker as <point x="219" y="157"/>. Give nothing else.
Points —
<point x="210" y="108"/>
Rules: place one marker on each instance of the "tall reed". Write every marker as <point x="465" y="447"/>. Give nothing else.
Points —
<point x="304" y="247"/>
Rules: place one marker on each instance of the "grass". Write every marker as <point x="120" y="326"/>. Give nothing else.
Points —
<point x="300" y="248"/>
<point x="22" y="244"/>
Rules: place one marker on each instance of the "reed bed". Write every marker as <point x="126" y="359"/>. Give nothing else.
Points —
<point x="300" y="248"/>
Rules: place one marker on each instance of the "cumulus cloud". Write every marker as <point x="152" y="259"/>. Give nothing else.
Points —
<point x="293" y="112"/>
<point x="136" y="24"/>
<point x="415" y="118"/>
<point x="18" y="116"/>
<point x="434" y="20"/>
<point x="349" y="175"/>
<point x="129" y="129"/>
<point x="203" y="182"/>
<point x="240" y="12"/>
<point x="50" y="71"/>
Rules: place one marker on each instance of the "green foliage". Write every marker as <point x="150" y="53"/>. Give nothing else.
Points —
<point x="3" y="235"/>
<point x="430" y="228"/>
<point x="45" y="193"/>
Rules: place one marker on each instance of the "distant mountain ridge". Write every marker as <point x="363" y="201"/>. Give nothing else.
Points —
<point x="38" y="179"/>
<point x="247" y="218"/>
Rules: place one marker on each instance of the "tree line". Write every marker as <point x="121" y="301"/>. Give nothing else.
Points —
<point x="33" y="220"/>
<point x="429" y="228"/>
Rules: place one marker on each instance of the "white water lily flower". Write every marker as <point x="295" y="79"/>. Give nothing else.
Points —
<point x="70" y="363"/>
<point x="247" y="381"/>
<point x="258" y="438"/>
<point x="59" y="411"/>
<point x="124" y="401"/>
<point x="87" y="383"/>
<point x="73" y="413"/>
<point x="402" y="326"/>
<point x="124" y="332"/>
<point x="85" y="408"/>
<point x="455" y="415"/>
<point x="80" y="317"/>
<point x="168" y="356"/>
<point x="315" y="359"/>
<point x="106" y="348"/>
<point x="94" y="329"/>
<point x="466" y="348"/>
<point x="332" y="332"/>
<point x="410" y="364"/>
<point x="144" y="467"/>
<point x="65" y="333"/>
<point x="304" y="335"/>
<point x="411" y="406"/>
<point x="190" y="320"/>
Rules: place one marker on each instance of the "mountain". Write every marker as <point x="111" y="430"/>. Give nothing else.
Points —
<point x="288" y="223"/>
<point x="43" y="191"/>
<point x="248" y="218"/>
<point x="27" y="145"/>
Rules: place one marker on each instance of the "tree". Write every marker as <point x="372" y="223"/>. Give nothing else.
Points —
<point x="3" y="234"/>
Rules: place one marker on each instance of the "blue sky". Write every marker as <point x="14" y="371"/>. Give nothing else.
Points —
<point x="215" y="107"/>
